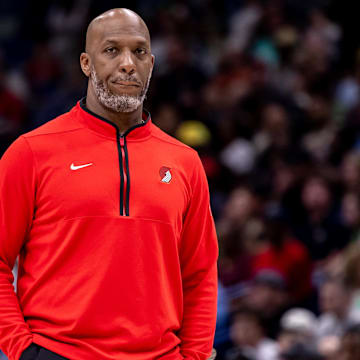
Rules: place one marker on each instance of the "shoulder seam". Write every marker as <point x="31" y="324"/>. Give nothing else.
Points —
<point x="174" y="143"/>
<point x="51" y="133"/>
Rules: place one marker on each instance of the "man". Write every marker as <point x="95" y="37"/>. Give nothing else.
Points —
<point x="110" y="218"/>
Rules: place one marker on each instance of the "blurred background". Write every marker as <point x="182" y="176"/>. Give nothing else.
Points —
<point x="268" y="93"/>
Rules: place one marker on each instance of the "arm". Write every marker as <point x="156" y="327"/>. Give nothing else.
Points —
<point x="17" y="191"/>
<point x="198" y="259"/>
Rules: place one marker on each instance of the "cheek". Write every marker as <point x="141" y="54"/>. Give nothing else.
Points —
<point x="104" y="69"/>
<point x="144" y="72"/>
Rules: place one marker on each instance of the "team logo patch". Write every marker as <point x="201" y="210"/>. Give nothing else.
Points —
<point x="165" y="174"/>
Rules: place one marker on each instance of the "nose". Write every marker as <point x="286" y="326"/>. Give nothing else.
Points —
<point x="127" y="64"/>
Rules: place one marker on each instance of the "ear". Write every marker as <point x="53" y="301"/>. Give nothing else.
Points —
<point x="85" y="63"/>
<point x="152" y="59"/>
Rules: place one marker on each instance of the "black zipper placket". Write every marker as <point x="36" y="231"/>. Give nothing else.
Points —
<point x="124" y="169"/>
<point x="124" y="175"/>
<point x="123" y="160"/>
<point x="121" y="170"/>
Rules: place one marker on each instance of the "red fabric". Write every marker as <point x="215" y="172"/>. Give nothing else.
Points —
<point x="292" y="261"/>
<point x="93" y="284"/>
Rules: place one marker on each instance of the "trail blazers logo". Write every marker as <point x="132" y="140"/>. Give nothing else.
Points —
<point x="165" y="174"/>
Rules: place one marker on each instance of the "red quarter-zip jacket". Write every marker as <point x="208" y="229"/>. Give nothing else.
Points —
<point x="116" y="242"/>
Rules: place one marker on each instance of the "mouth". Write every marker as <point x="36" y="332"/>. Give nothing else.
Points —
<point x="126" y="83"/>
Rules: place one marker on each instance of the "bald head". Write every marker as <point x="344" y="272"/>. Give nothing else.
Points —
<point x="118" y="63"/>
<point x="112" y="20"/>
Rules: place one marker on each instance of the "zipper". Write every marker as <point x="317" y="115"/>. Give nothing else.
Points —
<point x="124" y="177"/>
<point x="123" y="159"/>
<point x="121" y="171"/>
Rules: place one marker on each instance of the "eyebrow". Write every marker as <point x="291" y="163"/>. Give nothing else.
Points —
<point x="138" y="42"/>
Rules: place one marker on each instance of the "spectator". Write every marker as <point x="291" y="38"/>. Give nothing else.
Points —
<point x="248" y="335"/>
<point x="289" y="257"/>
<point x="334" y="306"/>
<point x="268" y="295"/>
<point x="320" y="230"/>
<point x="297" y="326"/>
<point x="238" y="230"/>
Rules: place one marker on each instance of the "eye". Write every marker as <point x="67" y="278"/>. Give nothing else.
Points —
<point x="140" y="51"/>
<point x="110" y="50"/>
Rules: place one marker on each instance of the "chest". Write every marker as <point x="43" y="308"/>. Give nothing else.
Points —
<point x="101" y="178"/>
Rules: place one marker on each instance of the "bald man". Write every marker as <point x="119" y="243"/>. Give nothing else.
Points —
<point x="111" y="221"/>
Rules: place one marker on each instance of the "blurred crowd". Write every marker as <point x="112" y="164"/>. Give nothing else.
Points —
<point x="267" y="91"/>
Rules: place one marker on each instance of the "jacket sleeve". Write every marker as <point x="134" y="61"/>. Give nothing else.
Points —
<point x="17" y="192"/>
<point x="198" y="259"/>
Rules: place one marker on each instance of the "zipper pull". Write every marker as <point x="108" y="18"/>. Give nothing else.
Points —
<point x="122" y="141"/>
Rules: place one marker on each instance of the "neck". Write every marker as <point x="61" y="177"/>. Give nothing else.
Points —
<point x="123" y="121"/>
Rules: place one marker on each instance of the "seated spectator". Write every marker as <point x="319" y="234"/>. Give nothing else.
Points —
<point x="334" y="306"/>
<point x="235" y="261"/>
<point x="297" y="326"/>
<point x="248" y="335"/>
<point x="288" y="256"/>
<point x="320" y="229"/>
<point x="268" y="295"/>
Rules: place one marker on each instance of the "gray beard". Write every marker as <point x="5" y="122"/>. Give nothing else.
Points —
<point x="117" y="103"/>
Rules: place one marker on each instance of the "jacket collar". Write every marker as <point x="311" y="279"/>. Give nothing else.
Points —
<point x="108" y="128"/>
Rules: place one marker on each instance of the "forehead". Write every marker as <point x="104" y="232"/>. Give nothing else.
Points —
<point x="120" y="28"/>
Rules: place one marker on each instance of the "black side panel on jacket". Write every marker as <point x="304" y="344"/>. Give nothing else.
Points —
<point x="36" y="352"/>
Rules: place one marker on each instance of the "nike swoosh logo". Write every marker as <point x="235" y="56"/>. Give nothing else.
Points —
<point x="74" y="167"/>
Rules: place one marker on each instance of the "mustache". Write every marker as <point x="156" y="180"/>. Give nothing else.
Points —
<point x="127" y="78"/>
